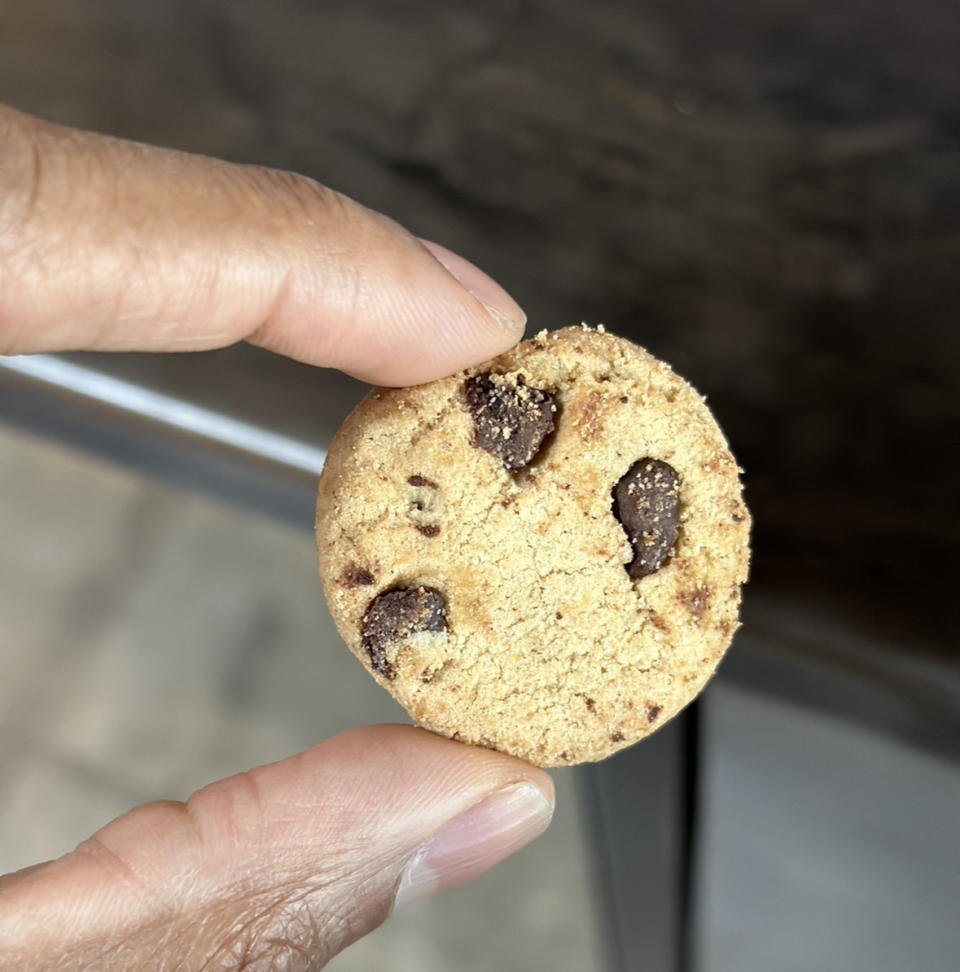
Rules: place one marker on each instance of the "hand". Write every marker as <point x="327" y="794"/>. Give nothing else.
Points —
<point x="110" y="245"/>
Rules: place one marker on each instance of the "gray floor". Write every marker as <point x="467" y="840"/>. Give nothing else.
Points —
<point x="827" y="846"/>
<point x="154" y="640"/>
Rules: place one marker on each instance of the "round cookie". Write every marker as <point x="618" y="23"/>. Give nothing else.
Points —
<point x="542" y="554"/>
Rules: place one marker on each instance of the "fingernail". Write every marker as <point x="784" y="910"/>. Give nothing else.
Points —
<point x="476" y="840"/>
<point x="498" y="303"/>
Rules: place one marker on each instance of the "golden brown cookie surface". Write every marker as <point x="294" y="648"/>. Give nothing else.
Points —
<point x="542" y="554"/>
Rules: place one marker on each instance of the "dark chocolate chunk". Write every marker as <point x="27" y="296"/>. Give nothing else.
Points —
<point x="646" y="501"/>
<point x="395" y="615"/>
<point x="616" y="736"/>
<point x="429" y="529"/>
<point x="420" y="481"/>
<point x="510" y="418"/>
<point x="653" y="712"/>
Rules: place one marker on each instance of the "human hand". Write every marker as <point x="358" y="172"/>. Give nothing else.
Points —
<point x="109" y="245"/>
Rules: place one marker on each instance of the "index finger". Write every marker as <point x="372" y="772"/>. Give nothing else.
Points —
<point x="114" y="245"/>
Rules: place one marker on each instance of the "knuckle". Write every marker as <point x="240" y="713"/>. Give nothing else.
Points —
<point x="298" y="197"/>
<point x="325" y="240"/>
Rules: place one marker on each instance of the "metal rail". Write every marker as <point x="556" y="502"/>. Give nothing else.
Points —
<point x="95" y="386"/>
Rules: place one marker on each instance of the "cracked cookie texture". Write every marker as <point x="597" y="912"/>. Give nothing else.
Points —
<point x="542" y="554"/>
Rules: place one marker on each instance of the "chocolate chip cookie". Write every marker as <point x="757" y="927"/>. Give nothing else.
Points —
<point x="542" y="554"/>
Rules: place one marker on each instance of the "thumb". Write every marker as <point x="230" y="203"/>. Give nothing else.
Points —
<point x="112" y="245"/>
<point x="281" y="867"/>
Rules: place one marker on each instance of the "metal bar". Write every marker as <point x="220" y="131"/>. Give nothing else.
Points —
<point x="641" y="813"/>
<point x="162" y="436"/>
<point x="155" y="406"/>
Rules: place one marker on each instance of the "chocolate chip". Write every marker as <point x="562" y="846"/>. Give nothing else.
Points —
<point x="646" y="501"/>
<point x="353" y="575"/>
<point x="616" y="736"/>
<point x="510" y="419"/>
<point x="653" y="712"/>
<point x="396" y="614"/>
<point x="420" y="481"/>
<point x="428" y="529"/>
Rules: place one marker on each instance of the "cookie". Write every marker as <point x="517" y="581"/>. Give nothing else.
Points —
<point x="542" y="554"/>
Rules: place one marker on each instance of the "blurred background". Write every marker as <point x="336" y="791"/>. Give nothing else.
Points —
<point x="767" y="196"/>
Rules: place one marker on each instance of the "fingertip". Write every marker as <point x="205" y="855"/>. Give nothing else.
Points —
<point x="476" y="840"/>
<point x="401" y="311"/>
<point x="442" y="314"/>
<point x="504" y="310"/>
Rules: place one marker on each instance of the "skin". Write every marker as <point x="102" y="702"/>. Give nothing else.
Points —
<point x="106" y="244"/>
